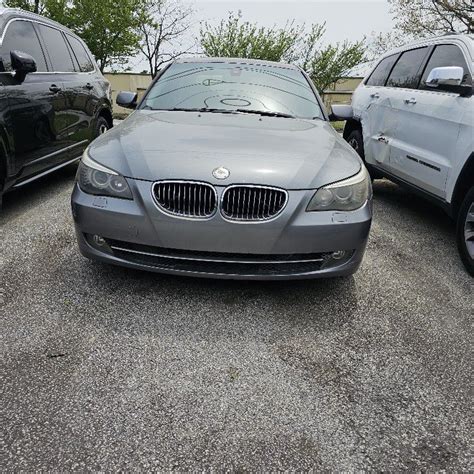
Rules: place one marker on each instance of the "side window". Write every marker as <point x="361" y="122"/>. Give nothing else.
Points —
<point x="21" y="36"/>
<point x="57" y="49"/>
<point x="80" y="52"/>
<point x="406" y="73"/>
<point x="446" y="55"/>
<point x="380" y="73"/>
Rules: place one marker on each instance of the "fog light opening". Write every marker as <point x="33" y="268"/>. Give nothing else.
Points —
<point x="99" y="240"/>
<point x="338" y="254"/>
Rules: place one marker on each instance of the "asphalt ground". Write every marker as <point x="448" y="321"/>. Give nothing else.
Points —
<point x="105" y="368"/>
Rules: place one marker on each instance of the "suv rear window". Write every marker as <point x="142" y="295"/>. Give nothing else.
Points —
<point x="446" y="55"/>
<point x="406" y="73"/>
<point x="57" y="49"/>
<point x="85" y="64"/>
<point x="21" y="36"/>
<point x="380" y="73"/>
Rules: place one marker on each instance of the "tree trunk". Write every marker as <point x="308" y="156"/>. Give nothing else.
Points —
<point x="150" y="64"/>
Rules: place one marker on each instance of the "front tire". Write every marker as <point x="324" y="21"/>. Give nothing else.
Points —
<point x="101" y="127"/>
<point x="465" y="231"/>
<point x="356" y="141"/>
<point x="3" y="177"/>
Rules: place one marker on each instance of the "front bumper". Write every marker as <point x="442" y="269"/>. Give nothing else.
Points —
<point x="295" y="245"/>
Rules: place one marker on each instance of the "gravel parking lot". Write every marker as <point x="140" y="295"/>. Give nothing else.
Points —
<point x="105" y="368"/>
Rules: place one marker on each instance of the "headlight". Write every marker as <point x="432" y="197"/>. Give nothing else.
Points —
<point x="94" y="178"/>
<point x="346" y="195"/>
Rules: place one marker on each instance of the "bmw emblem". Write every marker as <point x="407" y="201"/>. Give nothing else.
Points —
<point x="221" y="173"/>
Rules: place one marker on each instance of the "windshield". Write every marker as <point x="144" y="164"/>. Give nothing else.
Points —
<point x="251" y="88"/>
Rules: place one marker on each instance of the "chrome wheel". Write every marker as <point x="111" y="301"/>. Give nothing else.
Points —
<point x="469" y="231"/>
<point x="103" y="128"/>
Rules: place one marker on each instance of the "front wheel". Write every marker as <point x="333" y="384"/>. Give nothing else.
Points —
<point x="101" y="127"/>
<point x="356" y="141"/>
<point x="465" y="231"/>
<point x="3" y="177"/>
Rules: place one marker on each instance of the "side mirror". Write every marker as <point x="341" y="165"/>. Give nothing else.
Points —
<point x="448" y="79"/>
<point x="127" y="99"/>
<point x="445" y="76"/>
<point x="341" y="112"/>
<point x="22" y="64"/>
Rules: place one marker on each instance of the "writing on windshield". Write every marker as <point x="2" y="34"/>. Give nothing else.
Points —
<point x="271" y="90"/>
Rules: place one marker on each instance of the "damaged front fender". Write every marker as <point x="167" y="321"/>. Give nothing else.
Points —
<point x="379" y="121"/>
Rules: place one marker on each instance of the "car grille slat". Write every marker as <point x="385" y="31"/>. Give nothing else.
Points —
<point x="255" y="208"/>
<point x="217" y="262"/>
<point x="199" y="200"/>
<point x="185" y="198"/>
<point x="252" y="203"/>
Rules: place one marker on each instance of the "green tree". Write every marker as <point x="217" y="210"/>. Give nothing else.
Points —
<point x="325" y="64"/>
<point x="35" y="6"/>
<point x="108" y="28"/>
<point x="234" y="37"/>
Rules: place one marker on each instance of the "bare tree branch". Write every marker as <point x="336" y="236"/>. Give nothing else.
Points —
<point x="421" y="18"/>
<point x="163" y="24"/>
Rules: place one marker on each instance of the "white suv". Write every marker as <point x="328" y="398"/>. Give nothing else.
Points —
<point x="412" y="121"/>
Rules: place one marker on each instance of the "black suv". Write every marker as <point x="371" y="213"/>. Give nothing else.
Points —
<point x="53" y="98"/>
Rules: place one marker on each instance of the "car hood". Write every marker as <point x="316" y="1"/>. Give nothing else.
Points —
<point x="288" y="153"/>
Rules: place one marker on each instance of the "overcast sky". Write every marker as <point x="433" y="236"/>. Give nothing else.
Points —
<point x="350" y="19"/>
<point x="345" y="19"/>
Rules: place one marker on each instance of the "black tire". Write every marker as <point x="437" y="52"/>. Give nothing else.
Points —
<point x="101" y="126"/>
<point x="356" y="141"/>
<point x="465" y="231"/>
<point x="3" y="176"/>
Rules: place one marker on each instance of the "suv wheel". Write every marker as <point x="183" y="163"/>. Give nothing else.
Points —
<point x="355" y="141"/>
<point x="101" y="127"/>
<point x="465" y="231"/>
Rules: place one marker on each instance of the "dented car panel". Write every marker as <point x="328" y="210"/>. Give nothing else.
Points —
<point x="380" y="120"/>
<point x="413" y="122"/>
<point x="420" y="134"/>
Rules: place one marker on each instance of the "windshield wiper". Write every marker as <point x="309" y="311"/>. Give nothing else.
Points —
<point x="199" y="109"/>
<point x="265" y="113"/>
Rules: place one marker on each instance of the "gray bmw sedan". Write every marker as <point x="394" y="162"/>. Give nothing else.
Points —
<point x="227" y="168"/>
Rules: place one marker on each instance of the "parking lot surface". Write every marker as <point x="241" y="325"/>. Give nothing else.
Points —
<point x="105" y="368"/>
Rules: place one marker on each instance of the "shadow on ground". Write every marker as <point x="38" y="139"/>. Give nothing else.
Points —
<point x="24" y="198"/>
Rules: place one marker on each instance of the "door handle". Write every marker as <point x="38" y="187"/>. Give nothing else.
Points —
<point x="375" y="95"/>
<point x="54" y="88"/>
<point x="410" y="101"/>
<point x="89" y="86"/>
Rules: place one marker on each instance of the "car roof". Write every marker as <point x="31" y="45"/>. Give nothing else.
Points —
<point x="7" y="14"/>
<point x="467" y="39"/>
<point x="249" y="61"/>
